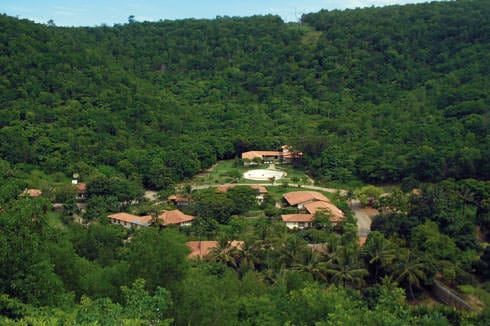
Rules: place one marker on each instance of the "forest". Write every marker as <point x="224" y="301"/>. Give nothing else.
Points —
<point x="396" y="97"/>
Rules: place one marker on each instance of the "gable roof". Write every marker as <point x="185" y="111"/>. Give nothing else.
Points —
<point x="175" y="217"/>
<point x="297" y="218"/>
<point x="298" y="197"/>
<point x="203" y="248"/>
<point x="224" y="188"/>
<point x="130" y="218"/>
<point x="200" y="248"/>
<point x="316" y="206"/>
<point x="253" y="154"/>
<point x="32" y="192"/>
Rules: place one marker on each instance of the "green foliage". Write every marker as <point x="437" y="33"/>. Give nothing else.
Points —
<point x="158" y="257"/>
<point x="375" y="95"/>
<point x="369" y="195"/>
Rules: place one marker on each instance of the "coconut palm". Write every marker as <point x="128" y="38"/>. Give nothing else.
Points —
<point x="291" y="251"/>
<point x="247" y="257"/>
<point x="410" y="269"/>
<point x="312" y="262"/>
<point x="344" y="268"/>
<point x="378" y="252"/>
<point x="224" y="253"/>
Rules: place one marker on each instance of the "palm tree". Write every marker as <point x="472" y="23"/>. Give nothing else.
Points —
<point x="312" y="262"/>
<point x="378" y="252"/>
<point x="247" y="257"/>
<point x="409" y="269"/>
<point x="345" y="267"/>
<point x="291" y="251"/>
<point x="224" y="253"/>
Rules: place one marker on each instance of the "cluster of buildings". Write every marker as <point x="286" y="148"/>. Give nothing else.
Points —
<point x="311" y="202"/>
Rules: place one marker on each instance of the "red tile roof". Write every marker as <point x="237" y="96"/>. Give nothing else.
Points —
<point x="203" y="248"/>
<point x="336" y="213"/>
<point x="297" y="218"/>
<point x="33" y="192"/>
<point x="81" y="187"/>
<point x="260" y="154"/>
<point x="130" y="218"/>
<point x="224" y="188"/>
<point x="175" y="217"/>
<point x="299" y="197"/>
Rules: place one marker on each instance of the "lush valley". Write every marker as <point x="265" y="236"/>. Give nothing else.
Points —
<point x="396" y="95"/>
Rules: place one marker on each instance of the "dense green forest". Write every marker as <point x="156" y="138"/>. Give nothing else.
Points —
<point x="394" y="95"/>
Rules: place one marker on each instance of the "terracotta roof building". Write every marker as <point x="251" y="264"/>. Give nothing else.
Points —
<point x="298" y="221"/>
<point x="200" y="249"/>
<point x="286" y="154"/>
<point x="176" y="217"/>
<point x="129" y="220"/>
<point x="335" y="213"/>
<point x="224" y="188"/>
<point x="300" y="198"/>
<point x="263" y="155"/>
<point x="32" y="193"/>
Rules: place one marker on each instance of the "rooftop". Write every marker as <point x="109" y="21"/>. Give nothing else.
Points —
<point x="318" y="206"/>
<point x="175" y="217"/>
<point x="130" y="218"/>
<point x="260" y="154"/>
<point x="297" y="218"/>
<point x="224" y="188"/>
<point x="33" y="192"/>
<point x="203" y="248"/>
<point x="298" y="197"/>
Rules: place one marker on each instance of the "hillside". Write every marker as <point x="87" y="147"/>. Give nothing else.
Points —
<point x="379" y="94"/>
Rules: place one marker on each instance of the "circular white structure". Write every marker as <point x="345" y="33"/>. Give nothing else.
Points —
<point x="263" y="174"/>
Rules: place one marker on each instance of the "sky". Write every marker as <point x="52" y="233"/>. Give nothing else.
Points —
<point x="110" y="12"/>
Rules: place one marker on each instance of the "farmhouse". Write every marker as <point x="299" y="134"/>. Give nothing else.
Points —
<point x="298" y="221"/>
<point x="300" y="198"/>
<point x="285" y="155"/>
<point x="176" y="217"/>
<point x="320" y="206"/>
<point x="129" y="220"/>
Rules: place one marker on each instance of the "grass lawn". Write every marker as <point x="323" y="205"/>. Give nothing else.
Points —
<point x="226" y="172"/>
<point x="53" y="219"/>
<point x="38" y="179"/>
